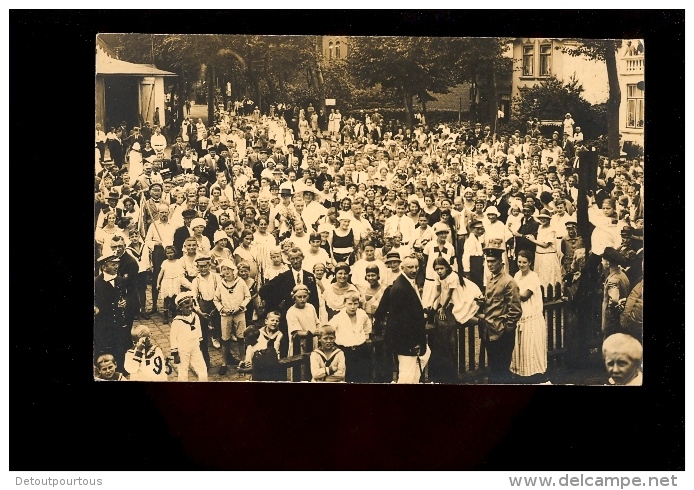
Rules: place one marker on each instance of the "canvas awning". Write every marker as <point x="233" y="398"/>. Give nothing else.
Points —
<point x="105" y="65"/>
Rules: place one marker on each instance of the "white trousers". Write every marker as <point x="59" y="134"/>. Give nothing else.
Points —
<point x="192" y="357"/>
<point x="408" y="368"/>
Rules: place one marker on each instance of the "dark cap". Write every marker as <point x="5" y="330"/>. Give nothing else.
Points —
<point x="493" y="252"/>
<point x="613" y="256"/>
<point x="189" y="213"/>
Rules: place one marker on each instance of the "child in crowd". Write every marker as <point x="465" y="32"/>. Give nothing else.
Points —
<point x="230" y="299"/>
<point x="186" y="335"/>
<point x="253" y="344"/>
<point x="252" y="285"/>
<point x="145" y="361"/>
<point x="106" y="369"/>
<point x="270" y="334"/>
<point x="169" y="281"/>
<point x="302" y="319"/>
<point x="327" y="361"/>
<point x="277" y="266"/>
<point x="322" y="282"/>
<point x="623" y="355"/>
<point x="352" y="329"/>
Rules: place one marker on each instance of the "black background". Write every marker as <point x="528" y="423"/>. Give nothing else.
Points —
<point x="62" y="420"/>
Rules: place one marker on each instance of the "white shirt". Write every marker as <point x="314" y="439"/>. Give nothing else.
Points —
<point x="403" y="224"/>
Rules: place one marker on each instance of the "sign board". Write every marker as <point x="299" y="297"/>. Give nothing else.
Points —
<point x="329" y="101"/>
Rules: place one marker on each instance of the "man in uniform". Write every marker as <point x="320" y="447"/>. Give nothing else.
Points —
<point x="111" y="334"/>
<point x="502" y="311"/>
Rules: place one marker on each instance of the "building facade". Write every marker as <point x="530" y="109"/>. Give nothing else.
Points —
<point x="125" y="91"/>
<point x="630" y="65"/>
<point x="335" y="47"/>
<point x="536" y="59"/>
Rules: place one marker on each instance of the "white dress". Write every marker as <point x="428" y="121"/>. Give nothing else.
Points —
<point x="547" y="265"/>
<point x="463" y="298"/>
<point x="530" y="353"/>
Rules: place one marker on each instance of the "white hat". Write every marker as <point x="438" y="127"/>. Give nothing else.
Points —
<point x="180" y="297"/>
<point x="219" y="235"/>
<point x="492" y="210"/>
<point x="286" y="186"/>
<point x="325" y="227"/>
<point x="227" y="263"/>
<point x="441" y="227"/>
<point x="198" y="222"/>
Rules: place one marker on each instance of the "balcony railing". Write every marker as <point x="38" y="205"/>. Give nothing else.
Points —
<point x="632" y="64"/>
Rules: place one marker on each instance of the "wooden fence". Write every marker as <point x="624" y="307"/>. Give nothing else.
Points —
<point x="471" y="356"/>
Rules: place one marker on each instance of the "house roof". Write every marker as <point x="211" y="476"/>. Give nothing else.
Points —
<point x="106" y="65"/>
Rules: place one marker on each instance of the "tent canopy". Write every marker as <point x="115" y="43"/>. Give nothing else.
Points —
<point x="105" y="65"/>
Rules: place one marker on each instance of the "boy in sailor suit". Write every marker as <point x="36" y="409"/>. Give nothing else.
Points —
<point x="186" y="334"/>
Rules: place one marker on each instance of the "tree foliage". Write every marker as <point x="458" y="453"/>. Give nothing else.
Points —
<point x="604" y="50"/>
<point x="551" y="100"/>
<point x="418" y="66"/>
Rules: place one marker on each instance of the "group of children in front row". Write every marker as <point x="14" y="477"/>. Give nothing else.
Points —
<point x="146" y="361"/>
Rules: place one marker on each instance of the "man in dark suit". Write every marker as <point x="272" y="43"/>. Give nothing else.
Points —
<point x="184" y="231"/>
<point x="529" y="226"/>
<point x="111" y="334"/>
<point x="128" y="269"/>
<point x="405" y="327"/>
<point x="116" y="149"/>
<point x="277" y="294"/>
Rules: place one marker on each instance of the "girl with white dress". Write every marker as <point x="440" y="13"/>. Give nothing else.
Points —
<point x="530" y="353"/>
<point x="547" y="265"/>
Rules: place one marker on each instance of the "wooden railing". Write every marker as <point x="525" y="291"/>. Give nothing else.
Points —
<point x="471" y="356"/>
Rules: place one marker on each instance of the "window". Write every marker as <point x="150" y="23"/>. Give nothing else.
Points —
<point x="330" y="50"/>
<point x="634" y="106"/>
<point x="337" y="49"/>
<point x="545" y="60"/>
<point x="528" y="60"/>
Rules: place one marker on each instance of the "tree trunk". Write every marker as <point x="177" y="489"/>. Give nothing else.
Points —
<point x="613" y="102"/>
<point x="210" y="95"/>
<point x="493" y="103"/>
<point x="407" y="100"/>
<point x="319" y="77"/>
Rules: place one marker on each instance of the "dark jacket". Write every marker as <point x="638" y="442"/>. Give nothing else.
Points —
<point x="277" y="294"/>
<point x="405" y="328"/>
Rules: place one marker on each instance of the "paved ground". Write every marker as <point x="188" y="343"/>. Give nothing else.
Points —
<point x="160" y="332"/>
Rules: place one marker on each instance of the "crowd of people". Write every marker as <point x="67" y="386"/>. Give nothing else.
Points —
<point x="273" y="235"/>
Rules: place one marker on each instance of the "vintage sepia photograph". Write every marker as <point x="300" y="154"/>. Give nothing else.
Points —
<point x="381" y="209"/>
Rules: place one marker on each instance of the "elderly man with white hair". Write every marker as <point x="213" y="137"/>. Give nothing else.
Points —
<point x="623" y="355"/>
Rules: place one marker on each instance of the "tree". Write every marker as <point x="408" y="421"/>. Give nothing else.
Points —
<point x="551" y="99"/>
<point x="605" y="50"/>
<point x="417" y="66"/>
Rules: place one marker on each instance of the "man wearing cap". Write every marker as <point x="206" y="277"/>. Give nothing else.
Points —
<point x="112" y="206"/>
<point x="185" y="337"/>
<point x="569" y="244"/>
<point x="529" y="226"/>
<point x="111" y="333"/>
<point x="502" y="311"/>
<point x="128" y="269"/>
<point x="184" y="231"/>
<point x="632" y="251"/>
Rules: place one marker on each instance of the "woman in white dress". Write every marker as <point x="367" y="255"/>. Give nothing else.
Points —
<point x="457" y="299"/>
<point x="547" y="265"/>
<point x="331" y="122"/>
<point x="135" y="166"/>
<point x="530" y="353"/>
<point x="304" y="129"/>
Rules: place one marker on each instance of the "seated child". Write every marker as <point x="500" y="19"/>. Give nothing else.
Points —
<point x="302" y="320"/>
<point x="327" y="361"/>
<point x="270" y="334"/>
<point x="106" y="369"/>
<point x="145" y="361"/>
